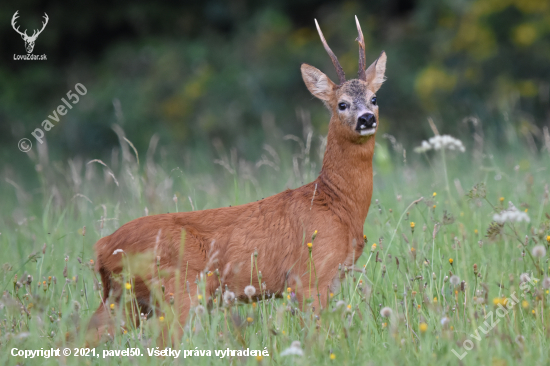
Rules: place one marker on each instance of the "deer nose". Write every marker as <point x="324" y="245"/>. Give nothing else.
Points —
<point x="366" y="121"/>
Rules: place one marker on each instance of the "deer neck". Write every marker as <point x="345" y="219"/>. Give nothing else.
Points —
<point x="347" y="170"/>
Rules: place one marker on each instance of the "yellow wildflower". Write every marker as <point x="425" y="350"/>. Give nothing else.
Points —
<point x="128" y="285"/>
<point x="423" y="327"/>
<point x="434" y="194"/>
<point x="332" y="356"/>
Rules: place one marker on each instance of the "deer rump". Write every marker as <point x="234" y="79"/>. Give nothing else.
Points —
<point x="278" y="228"/>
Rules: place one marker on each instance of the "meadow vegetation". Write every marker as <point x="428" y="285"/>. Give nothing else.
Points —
<point x="437" y="259"/>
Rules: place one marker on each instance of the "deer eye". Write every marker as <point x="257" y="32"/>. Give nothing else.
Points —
<point x="373" y="100"/>
<point x="342" y="106"/>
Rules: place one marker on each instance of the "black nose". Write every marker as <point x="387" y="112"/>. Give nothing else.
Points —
<point x="366" y="121"/>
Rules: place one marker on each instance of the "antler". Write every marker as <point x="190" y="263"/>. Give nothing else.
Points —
<point x="15" y="16"/>
<point x="335" y="62"/>
<point x="43" y="26"/>
<point x="362" y="63"/>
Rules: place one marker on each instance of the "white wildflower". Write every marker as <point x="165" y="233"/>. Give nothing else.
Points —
<point x="294" y="349"/>
<point x="441" y="142"/>
<point x="423" y="148"/>
<point x="512" y="214"/>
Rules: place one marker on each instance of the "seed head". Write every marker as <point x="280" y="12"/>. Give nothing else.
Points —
<point x="539" y="251"/>
<point x="524" y="277"/>
<point x="228" y="297"/>
<point x="546" y="282"/>
<point x="249" y="291"/>
<point x="199" y="310"/>
<point x="294" y="349"/>
<point x="455" y="280"/>
<point x="340" y="303"/>
<point x="386" y="312"/>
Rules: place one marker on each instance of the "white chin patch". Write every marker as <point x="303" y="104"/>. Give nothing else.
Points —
<point x="368" y="132"/>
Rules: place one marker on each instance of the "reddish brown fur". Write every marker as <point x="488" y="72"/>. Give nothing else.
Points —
<point x="278" y="227"/>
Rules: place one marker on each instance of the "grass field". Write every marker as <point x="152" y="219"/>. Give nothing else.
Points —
<point x="438" y="273"/>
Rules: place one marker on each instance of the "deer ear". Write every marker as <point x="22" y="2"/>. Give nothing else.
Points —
<point x="318" y="83"/>
<point x="375" y="73"/>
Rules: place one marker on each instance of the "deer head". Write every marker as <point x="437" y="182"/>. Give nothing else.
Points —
<point x="29" y="40"/>
<point x="353" y="102"/>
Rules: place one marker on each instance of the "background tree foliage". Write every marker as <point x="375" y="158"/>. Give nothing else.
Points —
<point x="197" y="72"/>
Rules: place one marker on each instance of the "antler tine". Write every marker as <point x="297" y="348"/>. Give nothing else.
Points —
<point x="335" y="62"/>
<point x="362" y="63"/>
<point x="13" y="19"/>
<point x="44" y="23"/>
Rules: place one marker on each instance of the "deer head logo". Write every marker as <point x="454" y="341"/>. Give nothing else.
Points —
<point x="29" y="40"/>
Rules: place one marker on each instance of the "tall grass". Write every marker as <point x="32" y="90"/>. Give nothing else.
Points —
<point x="436" y="261"/>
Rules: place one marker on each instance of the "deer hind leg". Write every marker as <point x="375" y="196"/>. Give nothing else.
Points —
<point x="101" y="326"/>
<point x="178" y="300"/>
<point x="112" y="315"/>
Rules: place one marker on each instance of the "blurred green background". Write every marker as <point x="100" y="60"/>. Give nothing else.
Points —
<point x="211" y="74"/>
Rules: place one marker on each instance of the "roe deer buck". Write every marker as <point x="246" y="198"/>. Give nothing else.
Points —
<point x="334" y="206"/>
